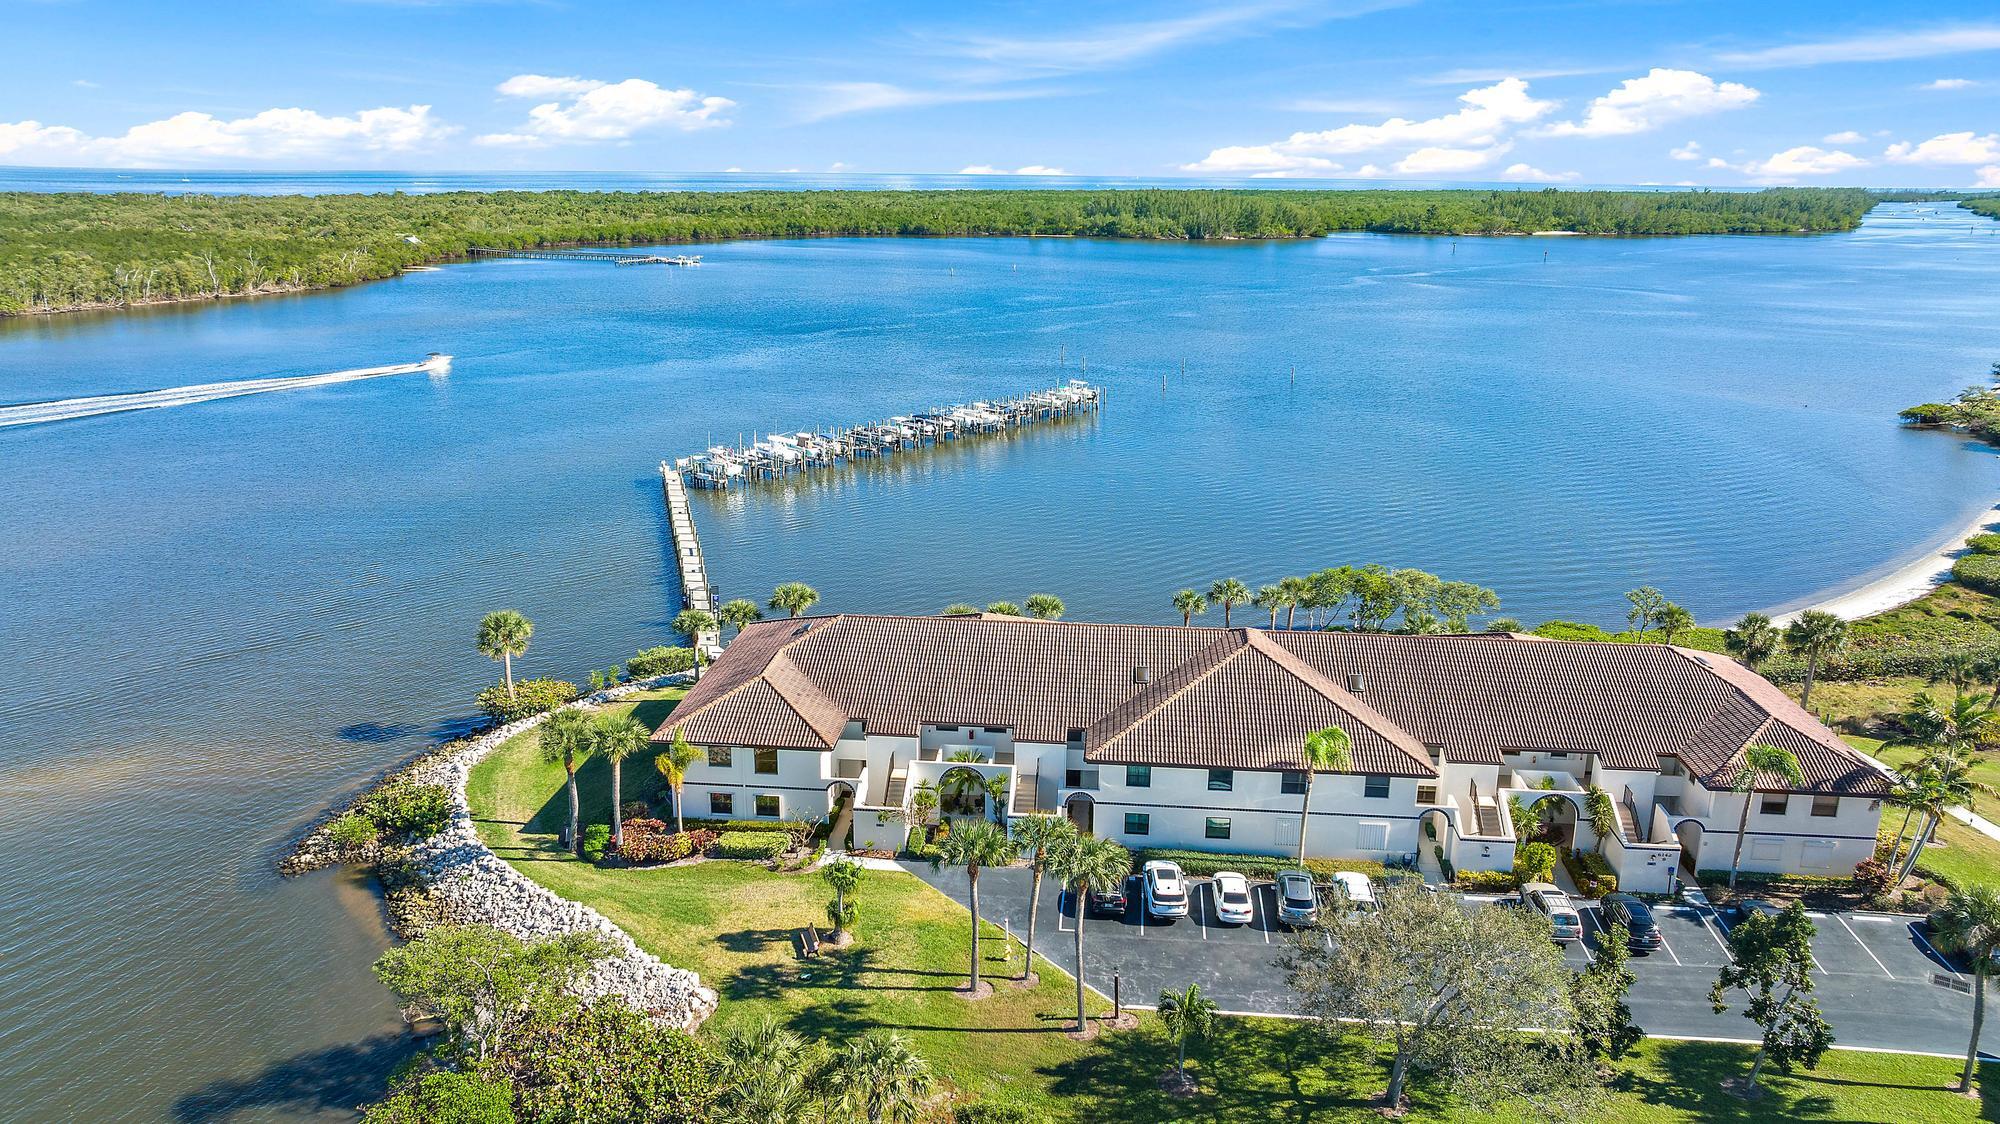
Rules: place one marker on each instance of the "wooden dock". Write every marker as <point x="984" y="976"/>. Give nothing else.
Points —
<point x="614" y="257"/>
<point x="696" y="592"/>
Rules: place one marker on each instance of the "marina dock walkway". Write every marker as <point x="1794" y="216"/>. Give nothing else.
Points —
<point x="696" y="592"/>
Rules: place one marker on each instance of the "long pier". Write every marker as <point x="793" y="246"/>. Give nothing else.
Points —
<point x="588" y="255"/>
<point x="696" y="592"/>
<point x="35" y="413"/>
<point x="781" y="455"/>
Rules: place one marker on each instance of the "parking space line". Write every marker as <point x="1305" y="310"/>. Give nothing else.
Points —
<point x="1210" y="887"/>
<point x="1061" y="918"/>
<point x="1268" y="919"/>
<point x="1669" y="948"/>
<point x="1946" y="961"/>
<point x="1864" y="946"/>
<point x="1711" y="930"/>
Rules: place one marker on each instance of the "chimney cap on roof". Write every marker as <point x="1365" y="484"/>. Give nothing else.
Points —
<point x="1356" y="683"/>
<point x="1141" y="674"/>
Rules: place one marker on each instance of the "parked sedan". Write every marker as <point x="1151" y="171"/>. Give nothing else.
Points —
<point x="1166" y="890"/>
<point x="1232" y="898"/>
<point x="1642" y="932"/>
<point x="1107" y="903"/>
<point x="1355" y="890"/>
<point x="1298" y="902"/>
<point x="1549" y="901"/>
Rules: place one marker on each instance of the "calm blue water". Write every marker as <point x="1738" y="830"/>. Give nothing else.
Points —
<point x="218" y="616"/>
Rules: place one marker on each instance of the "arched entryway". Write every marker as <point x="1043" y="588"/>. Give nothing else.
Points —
<point x="1554" y="819"/>
<point x="1434" y="845"/>
<point x="962" y="793"/>
<point x="1082" y="812"/>
<point x="1690" y="834"/>
<point x="840" y="797"/>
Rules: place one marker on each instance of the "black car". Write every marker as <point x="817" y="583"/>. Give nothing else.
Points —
<point x="1107" y="903"/>
<point x="1642" y="932"/>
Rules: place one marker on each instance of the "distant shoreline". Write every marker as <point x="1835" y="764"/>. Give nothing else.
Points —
<point x="1906" y="584"/>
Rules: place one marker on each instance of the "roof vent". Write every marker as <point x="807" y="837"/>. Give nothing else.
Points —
<point x="1356" y="683"/>
<point x="1142" y="674"/>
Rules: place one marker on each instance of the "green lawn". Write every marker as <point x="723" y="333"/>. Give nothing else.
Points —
<point x="732" y="921"/>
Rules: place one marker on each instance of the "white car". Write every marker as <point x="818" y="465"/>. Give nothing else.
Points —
<point x="1232" y="898"/>
<point x="1355" y="889"/>
<point x="1551" y="902"/>
<point x="1166" y="889"/>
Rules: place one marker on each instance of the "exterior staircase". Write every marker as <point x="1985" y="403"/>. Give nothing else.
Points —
<point x="1487" y="815"/>
<point x="1626" y="826"/>
<point x="892" y="797"/>
<point x="1027" y="793"/>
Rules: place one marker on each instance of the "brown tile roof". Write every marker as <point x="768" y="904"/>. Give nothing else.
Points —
<point x="1245" y="698"/>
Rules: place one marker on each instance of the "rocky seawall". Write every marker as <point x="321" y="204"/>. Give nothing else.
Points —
<point x="452" y="878"/>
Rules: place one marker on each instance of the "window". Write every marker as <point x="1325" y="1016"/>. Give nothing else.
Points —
<point x="1826" y="806"/>
<point x="1217" y="829"/>
<point x="767" y="806"/>
<point x="1138" y="776"/>
<point x="721" y="804"/>
<point x="1773" y="804"/>
<point x="1427" y="794"/>
<point x="1372" y="835"/>
<point x="721" y="756"/>
<point x="1375" y="788"/>
<point x="946" y="729"/>
<point x="1221" y="780"/>
<point x="996" y="729"/>
<point x="1138" y="823"/>
<point x="767" y="763"/>
<point x="1767" y="850"/>
<point x="1293" y="784"/>
<point x="1816" y="855"/>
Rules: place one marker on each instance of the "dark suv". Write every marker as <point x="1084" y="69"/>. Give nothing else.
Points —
<point x="1108" y="903"/>
<point x="1642" y="932"/>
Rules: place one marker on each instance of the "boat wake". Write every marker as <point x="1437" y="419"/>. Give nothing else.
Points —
<point x="35" y="413"/>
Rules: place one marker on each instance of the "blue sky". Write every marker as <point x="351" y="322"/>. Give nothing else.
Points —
<point x="1555" y="91"/>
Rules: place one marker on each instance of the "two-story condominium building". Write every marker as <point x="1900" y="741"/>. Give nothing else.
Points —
<point x="1193" y="737"/>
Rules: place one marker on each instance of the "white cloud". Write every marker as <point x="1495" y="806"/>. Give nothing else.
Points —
<point x="1533" y="174"/>
<point x="1490" y="113"/>
<point x="508" y="140"/>
<point x="1027" y="170"/>
<point x="1639" y="105"/>
<point x="198" y="138"/>
<point x="1878" y="47"/>
<point x="1949" y="84"/>
<point x="1689" y="151"/>
<point x="838" y="99"/>
<point x="1114" y="44"/>
<point x="1947" y="148"/>
<point x="1789" y="165"/>
<point x="1434" y="160"/>
<point x="589" y="110"/>
<point x="1988" y="177"/>
<point x="1471" y="75"/>
<point x="542" y="86"/>
<point x="83" y="83"/>
<point x="1845" y="136"/>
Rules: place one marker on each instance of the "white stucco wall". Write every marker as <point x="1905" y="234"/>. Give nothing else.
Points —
<point x="1263" y="819"/>
<point x="1795" y="841"/>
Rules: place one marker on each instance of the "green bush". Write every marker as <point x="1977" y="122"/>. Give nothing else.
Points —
<point x="354" y="830"/>
<point x="1535" y="862"/>
<point x="1592" y="872"/>
<point x="531" y="697"/>
<point x="1201" y="864"/>
<point x="405" y="808"/>
<point x="444" y="1097"/>
<point x="1487" y="881"/>
<point x="761" y="846"/>
<point x="1978" y="570"/>
<point x="1988" y="543"/>
<point x="1917" y="660"/>
<point x="998" y="1112"/>
<point x="596" y="841"/>
<point x="659" y="661"/>
<point x="800" y="831"/>
<point x="1570" y="630"/>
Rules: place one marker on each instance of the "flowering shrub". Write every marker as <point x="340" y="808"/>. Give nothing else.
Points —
<point x="530" y="697"/>
<point x="649" y="841"/>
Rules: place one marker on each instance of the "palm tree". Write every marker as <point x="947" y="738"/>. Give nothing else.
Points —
<point x="1005" y="609"/>
<point x="1757" y="760"/>
<point x="1039" y="838"/>
<point x="1944" y="782"/>
<point x="692" y="623"/>
<point x="960" y="609"/>
<point x="1816" y="634"/>
<point x="883" y="1079"/>
<point x="1228" y="593"/>
<point x="1045" y="606"/>
<point x="1969" y="922"/>
<point x="566" y="737"/>
<point x="615" y="737"/>
<point x="794" y="598"/>
<point x="1673" y="619"/>
<point x="1959" y="669"/>
<point x="1084" y="864"/>
<point x="1905" y="792"/>
<point x="1753" y="640"/>
<point x="973" y="846"/>
<point x="1191" y="604"/>
<point x="843" y="876"/>
<point x="1184" y="1015"/>
<point x="1327" y="751"/>
<point x="673" y="763"/>
<point x="502" y="636"/>
<point x="768" y="1070"/>
<point x="1272" y="597"/>
<point x="740" y="613"/>
<point x="1298" y="591"/>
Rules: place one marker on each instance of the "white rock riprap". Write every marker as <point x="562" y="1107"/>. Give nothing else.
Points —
<point x="468" y="884"/>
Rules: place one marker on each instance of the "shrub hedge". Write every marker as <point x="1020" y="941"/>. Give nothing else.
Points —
<point x="1201" y="864"/>
<point x="1535" y="862"/>
<point x="1980" y="570"/>
<point x="596" y="841"/>
<point x="531" y="697"/>
<point x="401" y="807"/>
<point x="755" y="845"/>
<point x="1592" y="872"/>
<point x="1487" y="881"/>
<point x="648" y="841"/>
<point x="659" y="661"/>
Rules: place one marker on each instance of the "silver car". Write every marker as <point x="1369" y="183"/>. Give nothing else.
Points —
<point x="1298" y="902"/>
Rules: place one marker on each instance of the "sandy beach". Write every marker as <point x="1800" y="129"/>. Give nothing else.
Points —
<point x="1903" y="586"/>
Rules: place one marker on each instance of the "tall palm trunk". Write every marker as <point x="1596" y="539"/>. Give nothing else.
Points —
<point x="1305" y="815"/>
<point x="679" y="826"/>
<point x="575" y="837"/>
<point x="1917" y="846"/>
<point x="1082" y="893"/>
<point x="617" y="818"/>
<point x="507" y="662"/>
<point x="972" y="890"/>
<point x="1978" y="1019"/>
<point x="1742" y="826"/>
<point x="1034" y="908"/>
<point x="1812" y="669"/>
<point x="1292" y="608"/>
<point x="1274" y="618"/>
<point x="1896" y="848"/>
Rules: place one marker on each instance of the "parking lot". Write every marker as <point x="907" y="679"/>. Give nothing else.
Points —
<point x="1878" y="979"/>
